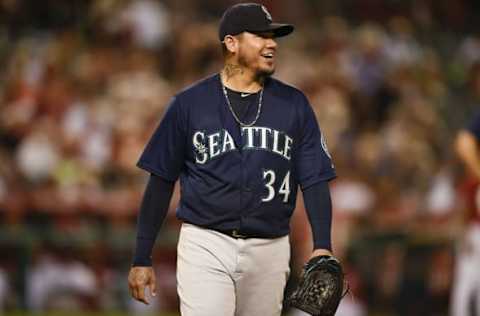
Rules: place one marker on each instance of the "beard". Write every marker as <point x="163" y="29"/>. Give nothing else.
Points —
<point x="261" y="72"/>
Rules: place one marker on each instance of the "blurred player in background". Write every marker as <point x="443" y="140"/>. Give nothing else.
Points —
<point x="466" y="288"/>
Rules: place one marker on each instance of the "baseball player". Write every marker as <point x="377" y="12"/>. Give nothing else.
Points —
<point x="466" y="287"/>
<point x="241" y="143"/>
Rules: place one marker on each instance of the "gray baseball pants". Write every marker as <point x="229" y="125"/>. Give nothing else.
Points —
<point x="218" y="275"/>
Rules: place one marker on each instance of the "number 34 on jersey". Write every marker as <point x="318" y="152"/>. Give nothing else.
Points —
<point x="284" y="190"/>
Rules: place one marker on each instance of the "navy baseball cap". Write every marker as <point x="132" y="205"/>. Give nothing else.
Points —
<point x="250" y="17"/>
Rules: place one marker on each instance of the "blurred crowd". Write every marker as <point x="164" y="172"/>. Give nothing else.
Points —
<point x="83" y="84"/>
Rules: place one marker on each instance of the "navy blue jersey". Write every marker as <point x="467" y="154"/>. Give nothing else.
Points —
<point x="234" y="177"/>
<point x="474" y="126"/>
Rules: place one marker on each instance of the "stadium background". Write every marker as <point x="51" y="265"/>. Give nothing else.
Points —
<point x="83" y="83"/>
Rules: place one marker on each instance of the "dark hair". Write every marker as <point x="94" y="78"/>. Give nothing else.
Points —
<point x="224" y="49"/>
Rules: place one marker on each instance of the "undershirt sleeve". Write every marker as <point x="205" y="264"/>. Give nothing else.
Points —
<point x="153" y="210"/>
<point x="318" y="205"/>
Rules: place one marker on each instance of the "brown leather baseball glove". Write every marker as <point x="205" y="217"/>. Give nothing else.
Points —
<point x="321" y="287"/>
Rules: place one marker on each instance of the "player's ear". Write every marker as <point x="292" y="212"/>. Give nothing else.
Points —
<point x="231" y="44"/>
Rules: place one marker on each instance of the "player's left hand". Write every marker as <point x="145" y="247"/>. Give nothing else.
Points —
<point x="138" y="279"/>
<point x="321" y="252"/>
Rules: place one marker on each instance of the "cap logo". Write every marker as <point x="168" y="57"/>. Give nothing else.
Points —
<point x="267" y="14"/>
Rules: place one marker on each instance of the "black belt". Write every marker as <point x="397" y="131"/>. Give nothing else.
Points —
<point x="235" y="233"/>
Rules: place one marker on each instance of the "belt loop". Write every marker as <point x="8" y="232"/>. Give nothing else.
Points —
<point x="236" y="234"/>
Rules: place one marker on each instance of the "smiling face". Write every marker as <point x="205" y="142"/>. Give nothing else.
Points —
<point x="256" y="52"/>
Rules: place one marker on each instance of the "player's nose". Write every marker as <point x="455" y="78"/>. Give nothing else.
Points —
<point x="271" y="43"/>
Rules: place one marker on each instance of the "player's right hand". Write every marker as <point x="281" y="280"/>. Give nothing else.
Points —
<point x="138" y="279"/>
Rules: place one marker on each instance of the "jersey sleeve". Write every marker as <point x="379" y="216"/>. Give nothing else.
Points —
<point x="165" y="152"/>
<point x="313" y="162"/>
<point x="474" y="126"/>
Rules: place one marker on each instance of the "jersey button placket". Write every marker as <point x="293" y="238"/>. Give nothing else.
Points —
<point x="245" y="186"/>
<point x="245" y="189"/>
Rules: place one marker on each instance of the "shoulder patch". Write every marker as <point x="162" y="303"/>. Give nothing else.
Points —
<point x="324" y="146"/>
